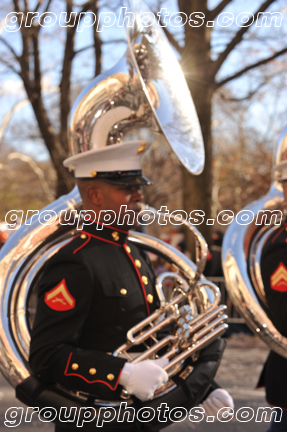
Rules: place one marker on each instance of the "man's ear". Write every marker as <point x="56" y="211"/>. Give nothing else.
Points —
<point x="95" y="195"/>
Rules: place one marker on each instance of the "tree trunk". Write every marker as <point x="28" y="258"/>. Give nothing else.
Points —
<point x="197" y="190"/>
<point x="198" y="68"/>
<point x="65" y="180"/>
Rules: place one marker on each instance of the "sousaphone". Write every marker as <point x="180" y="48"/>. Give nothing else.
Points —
<point x="241" y="257"/>
<point x="145" y="92"/>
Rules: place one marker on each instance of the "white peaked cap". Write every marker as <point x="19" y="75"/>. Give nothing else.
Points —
<point x="117" y="159"/>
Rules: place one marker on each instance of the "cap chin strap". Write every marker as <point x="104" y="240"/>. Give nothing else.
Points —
<point x="113" y="175"/>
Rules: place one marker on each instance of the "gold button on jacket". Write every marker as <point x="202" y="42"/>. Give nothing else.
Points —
<point x="115" y="235"/>
<point x="150" y="298"/>
<point x="138" y="263"/>
<point x="111" y="377"/>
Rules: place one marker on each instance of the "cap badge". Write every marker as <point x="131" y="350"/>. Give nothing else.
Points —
<point x="142" y="148"/>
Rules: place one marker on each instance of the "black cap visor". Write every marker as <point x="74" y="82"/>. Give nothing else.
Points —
<point x="127" y="178"/>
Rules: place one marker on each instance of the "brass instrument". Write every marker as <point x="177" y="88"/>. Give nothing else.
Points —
<point x="241" y="256"/>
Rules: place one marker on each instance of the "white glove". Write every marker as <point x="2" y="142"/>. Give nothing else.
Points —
<point x="216" y="400"/>
<point x="144" y="378"/>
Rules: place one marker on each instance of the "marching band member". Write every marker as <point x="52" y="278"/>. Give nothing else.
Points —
<point x="98" y="286"/>
<point x="274" y="275"/>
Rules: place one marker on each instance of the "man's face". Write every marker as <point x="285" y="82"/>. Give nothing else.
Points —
<point x="115" y="196"/>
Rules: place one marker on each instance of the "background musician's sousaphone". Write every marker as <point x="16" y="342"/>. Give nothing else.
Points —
<point x="241" y="256"/>
<point x="145" y="91"/>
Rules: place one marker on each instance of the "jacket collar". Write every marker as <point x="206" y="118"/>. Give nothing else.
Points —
<point x="106" y="232"/>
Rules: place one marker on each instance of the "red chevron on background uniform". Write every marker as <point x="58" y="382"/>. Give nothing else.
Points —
<point x="59" y="298"/>
<point x="278" y="279"/>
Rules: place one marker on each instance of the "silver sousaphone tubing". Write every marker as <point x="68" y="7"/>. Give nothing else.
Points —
<point x="241" y="257"/>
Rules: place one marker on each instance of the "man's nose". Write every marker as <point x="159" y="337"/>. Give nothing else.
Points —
<point x="137" y="194"/>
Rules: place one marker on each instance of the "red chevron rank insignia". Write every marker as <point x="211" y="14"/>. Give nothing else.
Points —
<point x="59" y="298"/>
<point x="278" y="279"/>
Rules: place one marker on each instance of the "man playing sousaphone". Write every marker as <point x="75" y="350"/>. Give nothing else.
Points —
<point x="99" y="285"/>
<point x="274" y="276"/>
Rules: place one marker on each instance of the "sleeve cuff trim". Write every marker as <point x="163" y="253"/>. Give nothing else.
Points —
<point x="85" y="379"/>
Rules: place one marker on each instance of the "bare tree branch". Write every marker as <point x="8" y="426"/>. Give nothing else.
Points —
<point x="24" y="59"/>
<point x="247" y="97"/>
<point x="37" y="68"/>
<point x="84" y="6"/>
<point x="172" y="40"/>
<point x="10" y="66"/>
<point x="97" y="42"/>
<point x="248" y="68"/>
<point x="16" y="5"/>
<point x="219" y="8"/>
<point x="38" y="6"/>
<point x="83" y="49"/>
<point x="65" y="84"/>
<point x="37" y="170"/>
<point x="46" y="10"/>
<point x="11" y="49"/>
<point x="239" y="35"/>
<point x="80" y="16"/>
<point x="110" y="41"/>
<point x="114" y="41"/>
